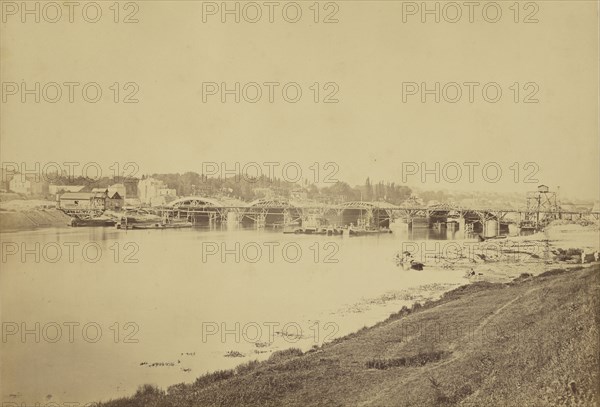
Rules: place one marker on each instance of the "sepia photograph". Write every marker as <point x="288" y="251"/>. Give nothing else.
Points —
<point x="345" y="203"/>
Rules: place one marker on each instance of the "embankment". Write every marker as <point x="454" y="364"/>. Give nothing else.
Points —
<point x="529" y="342"/>
<point x="32" y="219"/>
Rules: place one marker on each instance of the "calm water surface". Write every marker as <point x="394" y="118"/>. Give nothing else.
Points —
<point x="160" y="320"/>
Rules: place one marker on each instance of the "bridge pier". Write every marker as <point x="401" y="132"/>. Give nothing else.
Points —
<point x="261" y="220"/>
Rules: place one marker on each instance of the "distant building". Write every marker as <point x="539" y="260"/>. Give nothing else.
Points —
<point x="113" y="200"/>
<point x="120" y="188"/>
<point x="83" y="200"/>
<point x="151" y="188"/>
<point x="28" y="185"/>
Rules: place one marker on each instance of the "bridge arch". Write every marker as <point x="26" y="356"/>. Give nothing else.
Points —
<point x="271" y="203"/>
<point x="272" y="212"/>
<point x="374" y="214"/>
<point x="195" y="201"/>
<point x="196" y="209"/>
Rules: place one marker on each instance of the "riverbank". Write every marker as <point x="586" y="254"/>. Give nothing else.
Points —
<point x="12" y="220"/>
<point x="532" y="341"/>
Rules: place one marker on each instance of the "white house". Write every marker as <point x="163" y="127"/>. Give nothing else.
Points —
<point x="28" y="185"/>
<point x="151" y="188"/>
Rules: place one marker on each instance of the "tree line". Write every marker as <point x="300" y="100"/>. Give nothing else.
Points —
<point x="248" y="189"/>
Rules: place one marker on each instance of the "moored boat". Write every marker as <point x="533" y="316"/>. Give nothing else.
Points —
<point x="364" y="232"/>
<point x="103" y="222"/>
<point x="314" y="225"/>
<point x="155" y="225"/>
<point x="328" y="231"/>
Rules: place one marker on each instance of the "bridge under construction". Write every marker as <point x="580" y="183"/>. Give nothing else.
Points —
<point x="283" y="212"/>
<point x="541" y="208"/>
<point x="278" y="212"/>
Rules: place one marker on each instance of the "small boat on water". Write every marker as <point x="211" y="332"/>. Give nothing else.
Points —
<point x="365" y="231"/>
<point x="159" y="225"/>
<point x="283" y="225"/>
<point x="331" y="231"/>
<point x="483" y="239"/>
<point x="150" y="222"/>
<point x="314" y="225"/>
<point x="99" y="222"/>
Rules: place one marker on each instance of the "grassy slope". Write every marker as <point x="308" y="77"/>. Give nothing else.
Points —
<point x="533" y="342"/>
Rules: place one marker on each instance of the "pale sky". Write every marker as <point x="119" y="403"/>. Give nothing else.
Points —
<point x="369" y="54"/>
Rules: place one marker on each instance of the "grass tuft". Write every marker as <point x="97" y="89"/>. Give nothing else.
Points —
<point x="420" y="359"/>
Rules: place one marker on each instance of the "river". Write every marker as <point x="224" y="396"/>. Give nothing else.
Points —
<point x="90" y="314"/>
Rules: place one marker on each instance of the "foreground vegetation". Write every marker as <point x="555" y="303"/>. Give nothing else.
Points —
<point x="531" y="342"/>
